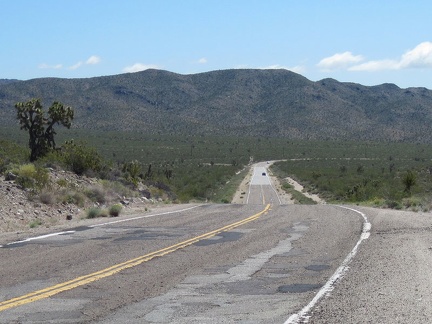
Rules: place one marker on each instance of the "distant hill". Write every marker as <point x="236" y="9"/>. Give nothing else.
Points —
<point x="6" y="81"/>
<point x="274" y="103"/>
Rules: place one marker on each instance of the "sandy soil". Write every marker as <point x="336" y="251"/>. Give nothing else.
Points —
<point x="297" y="186"/>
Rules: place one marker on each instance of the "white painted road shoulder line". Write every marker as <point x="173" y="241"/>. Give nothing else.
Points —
<point x="96" y="225"/>
<point x="303" y="316"/>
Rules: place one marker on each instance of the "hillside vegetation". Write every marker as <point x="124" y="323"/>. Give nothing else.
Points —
<point x="273" y="103"/>
<point x="171" y="169"/>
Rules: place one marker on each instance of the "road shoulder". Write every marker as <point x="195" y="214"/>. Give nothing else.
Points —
<point x="389" y="280"/>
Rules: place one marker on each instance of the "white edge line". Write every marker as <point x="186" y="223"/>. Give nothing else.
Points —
<point x="302" y="316"/>
<point x="274" y="189"/>
<point x="250" y="185"/>
<point x="96" y="225"/>
<point x="37" y="238"/>
<point x="144" y="216"/>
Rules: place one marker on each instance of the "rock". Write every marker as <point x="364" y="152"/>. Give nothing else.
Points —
<point x="69" y="217"/>
<point x="20" y="212"/>
<point x="10" y="176"/>
<point x="124" y="202"/>
<point x="145" y="193"/>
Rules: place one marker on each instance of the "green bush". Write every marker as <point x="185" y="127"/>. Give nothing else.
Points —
<point x="80" y="158"/>
<point x="133" y="169"/>
<point x="94" y="212"/>
<point x="393" y="204"/>
<point x="11" y="152"/>
<point x="30" y="176"/>
<point x="116" y="188"/>
<point x="115" y="210"/>
<point x="35" y="223"/>
<point x="62" y="182"/>
<point x="47" y="197"/>
<point x="76" y="198"/>
<point x="96" y="194"/>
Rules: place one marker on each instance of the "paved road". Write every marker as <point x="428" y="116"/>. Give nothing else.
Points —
<point x="261" y="190"/>
<point x="254" y="263"/>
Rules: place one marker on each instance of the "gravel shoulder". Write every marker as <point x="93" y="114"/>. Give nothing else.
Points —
<point x="389" y="280"/>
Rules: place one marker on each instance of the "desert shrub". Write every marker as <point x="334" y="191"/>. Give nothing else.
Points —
<point x="3" y="165"/>
<point x="286" y="186"/>
<point x="11" y="152"/>
<point x="378" y="202"/>
<point x="62" y="182"/>
<point x="47" y="197"/>
<point x="116" y="188"/>
<point x="30" y="176"/>
<point x="76" y="198"/>
<point x="115" y="210"/>
<point x="132" y="169"/>
<point x="80" y="158"/>
<point x="393" y="204"/>
<point x="412" y="202"/>
<point x="94" y="212"/>
<point x="409" y="180"/>
<point x="96" y="194"/>
<point x="35" y="223"/>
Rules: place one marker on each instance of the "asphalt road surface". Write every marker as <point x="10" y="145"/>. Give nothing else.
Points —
<point x="261" y="262"/>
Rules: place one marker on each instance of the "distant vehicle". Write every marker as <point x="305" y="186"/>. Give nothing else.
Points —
<point x="263" y="173"/>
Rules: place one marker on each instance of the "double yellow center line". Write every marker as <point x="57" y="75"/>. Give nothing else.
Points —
<point x="83" y="280"/>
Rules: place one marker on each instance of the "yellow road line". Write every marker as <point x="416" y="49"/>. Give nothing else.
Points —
<point x="83" y="280"/>
<point x="262" y="194"/>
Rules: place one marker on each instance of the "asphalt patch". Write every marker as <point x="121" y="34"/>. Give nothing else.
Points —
<point x="317" y="267"/>
<point x="298" y="288"/>
<point x="220" y="238"/>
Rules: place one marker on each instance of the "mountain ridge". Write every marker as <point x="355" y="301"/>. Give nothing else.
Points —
<point x="240" y="102"/>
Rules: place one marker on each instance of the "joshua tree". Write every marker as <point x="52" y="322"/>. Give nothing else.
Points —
<point x="409" y="180"/>
<point x="41" y="128"/>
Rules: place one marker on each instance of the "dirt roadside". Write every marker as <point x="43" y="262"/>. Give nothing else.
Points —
<point x="389" y="280"/>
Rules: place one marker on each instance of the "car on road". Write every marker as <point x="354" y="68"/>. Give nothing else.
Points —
<point x="264" y="174"/>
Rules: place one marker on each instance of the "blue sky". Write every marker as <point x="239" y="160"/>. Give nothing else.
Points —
<point x="367" y="42"/>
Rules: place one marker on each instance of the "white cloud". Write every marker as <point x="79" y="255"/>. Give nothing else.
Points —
<point x="139" y="67"/>
<point x="202" y="60"/>
<point x="76" y="66"/>
<point x="93" y="60"/>
<point x="375" y="66"/>
<point x="243" y="66"/>
<point x="90" y="61"/>
<point x="46" y="66"/>
<point x="274" y="67"/>
<point x="339" y="61"/>
<point x="297" y="69"/>
<point x="418" y="57"/>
